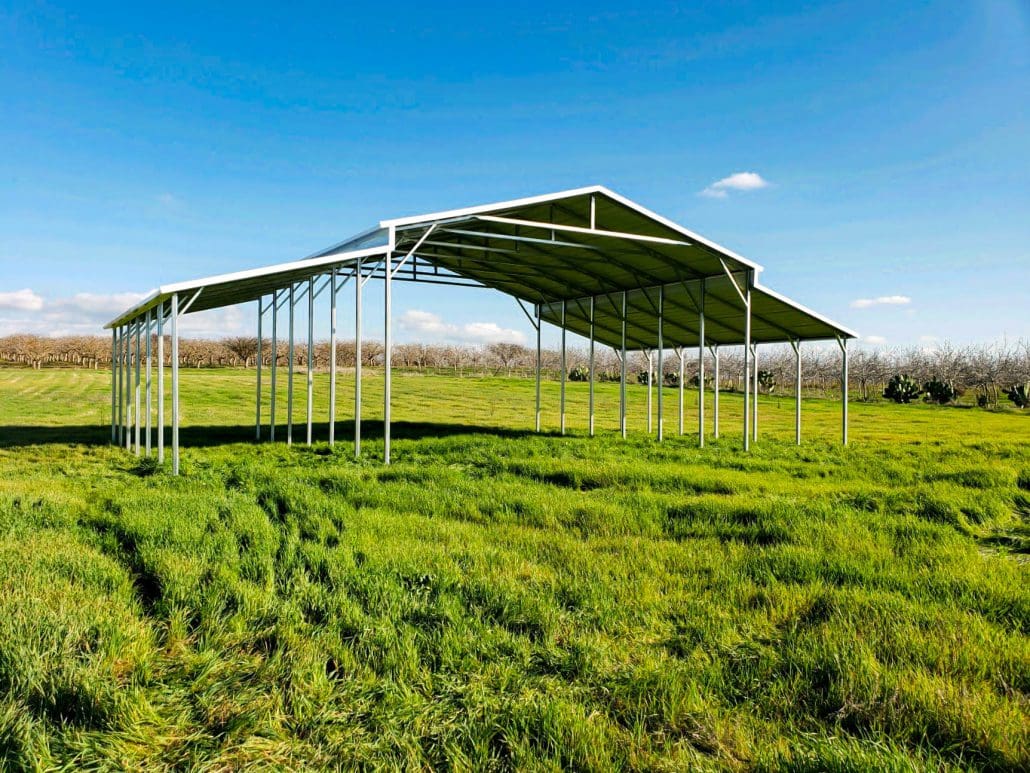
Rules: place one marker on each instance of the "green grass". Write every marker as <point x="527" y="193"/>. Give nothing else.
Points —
<point x="499" y="599"/>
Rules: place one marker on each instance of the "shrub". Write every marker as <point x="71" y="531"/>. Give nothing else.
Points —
<point x="1020" y="394"/>
<point x="940" y="392"/>
<point x="982" y="401"/>
<point x="643" y="377"/>
<point x="672" y="379"/>
<point x="579" y="373"/>
<point x="902" y="389"/>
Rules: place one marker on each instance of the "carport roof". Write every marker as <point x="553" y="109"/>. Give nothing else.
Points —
<point x="565" y="247"/>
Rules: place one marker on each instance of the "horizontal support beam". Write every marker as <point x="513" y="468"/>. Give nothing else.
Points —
<point x="586" y="231"/>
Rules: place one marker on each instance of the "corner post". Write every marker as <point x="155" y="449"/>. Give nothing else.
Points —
<point x="388" y="347"/>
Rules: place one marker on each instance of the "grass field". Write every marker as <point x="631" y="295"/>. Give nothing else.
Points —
<point x="499" y="599"/>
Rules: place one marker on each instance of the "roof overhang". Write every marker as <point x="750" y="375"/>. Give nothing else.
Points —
<point x="561" y="248"/>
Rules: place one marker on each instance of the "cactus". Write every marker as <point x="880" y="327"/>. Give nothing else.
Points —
<point x="1020" y="394"/>
<point x="940" y="392"/>
<point x="902" y="389"/>
<point x="766" y="381"/>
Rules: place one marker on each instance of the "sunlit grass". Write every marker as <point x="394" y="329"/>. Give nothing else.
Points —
<point x="501" y="599"/>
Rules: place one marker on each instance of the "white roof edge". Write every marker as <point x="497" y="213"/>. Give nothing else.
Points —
<point x="677" y="227"/>
<point x="530" y="200"/>
<point x="166" y="291"/>
<point x="790" y="302"/>
<point x="480" y="208"/>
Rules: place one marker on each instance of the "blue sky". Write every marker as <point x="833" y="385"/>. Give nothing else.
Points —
<point x="142" y="145"/>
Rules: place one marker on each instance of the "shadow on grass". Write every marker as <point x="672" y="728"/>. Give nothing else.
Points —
<point x="16" y="436"/>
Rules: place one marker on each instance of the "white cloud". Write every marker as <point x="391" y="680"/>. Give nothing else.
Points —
<point x="928" y="339"/>
<point x="430" y="325"/>
<point x="738" y="181"/>
<point x="876" y="340"/>
<point x="21" y="300"/>
<point x="426" y="323"/>
<point x="86" y="314"/>
<point x="883" y="300"/>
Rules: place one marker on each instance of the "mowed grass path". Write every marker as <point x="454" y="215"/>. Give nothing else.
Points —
<point x="498" y="599"/>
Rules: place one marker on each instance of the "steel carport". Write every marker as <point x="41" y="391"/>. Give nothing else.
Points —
<point x="588" y="260"/>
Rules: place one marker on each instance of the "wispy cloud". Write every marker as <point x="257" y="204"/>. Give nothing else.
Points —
<point x="21" y="300"/>
<point x="428" y="324"/>
<point x="883" y="300"/>
<point x="875" y="340"/>
<point x="738" y="181"/>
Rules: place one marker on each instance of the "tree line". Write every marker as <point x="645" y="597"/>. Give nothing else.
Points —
<point x="987" y="371"/>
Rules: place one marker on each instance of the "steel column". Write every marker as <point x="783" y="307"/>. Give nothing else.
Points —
<point x="843" y="342"/>
<point x="747" y="363"/>
<point x="127" y="387"/>
<point x="289" y="375"/>
<point x="357" y="361"/>
<point x="661" y="363"/>
<point x="679" y="354"/>
<point x="797" y="391"/>
<point x="161" y="383"/>
<point x="257" y="401"/>
<point x="701" y="367"/>
<point x="149" y="385"/>
<point x="310" y="357"/>
<point x="590" y="407"/>
<point x="754" y="415"/>
<point x="650" y="391"/>
<point x="126" y="376"/>
<point x="538" y="367"/>
<point x="715" y="391"/>
<point x="622" y="380"/>
<point x="114" y="386"/>
<point x="175" y="384"/>
<point x="332" y="358"/>
<point x="136" y="391"/>
<point x="563" y="369"/>
<point x="387" y="351"/>
<point x="273" y="365"/>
